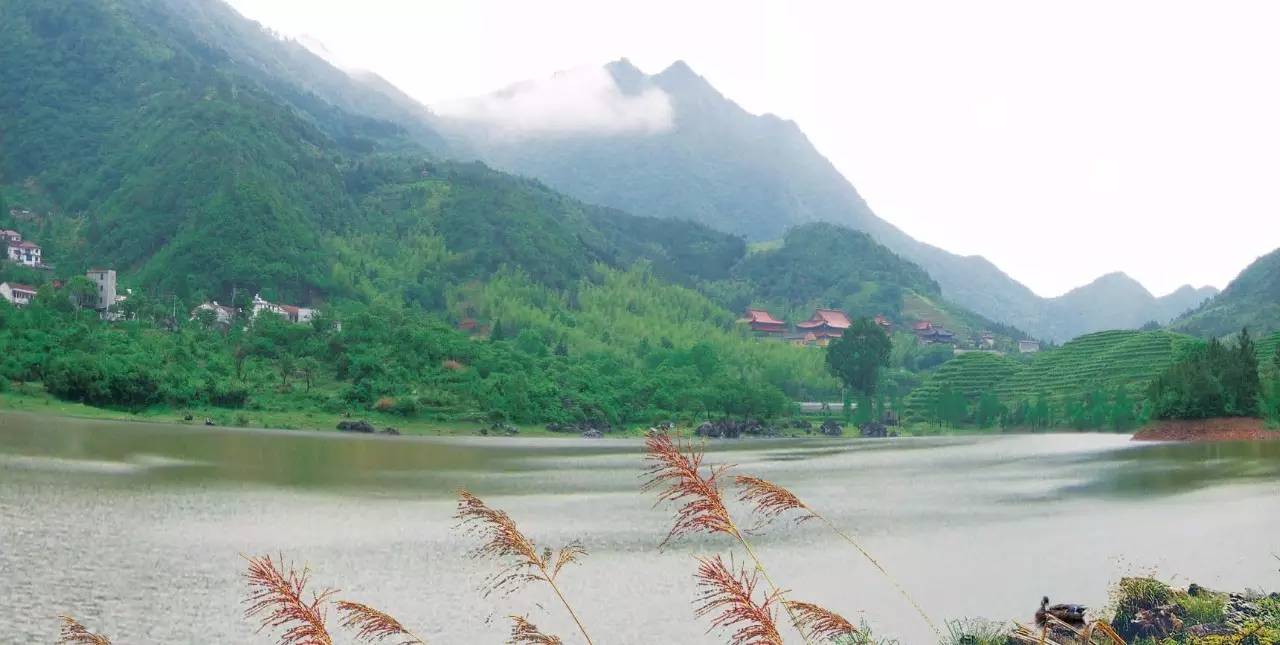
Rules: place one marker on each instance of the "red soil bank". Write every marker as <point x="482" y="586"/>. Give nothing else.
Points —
<point x="1227" y="429"/>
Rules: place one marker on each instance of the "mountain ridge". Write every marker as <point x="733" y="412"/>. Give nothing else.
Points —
<point x="759" y="175"/>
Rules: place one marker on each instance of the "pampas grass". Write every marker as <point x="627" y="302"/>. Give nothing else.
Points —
<point x="727" y="593"/>
<point x="73" y="633"/>
<point x="821" y="624"/>
<point x="524" y="632"/>
<point x="277" y="599"/>
<point x="502" y="540"/>
<point x="373" y="626"/>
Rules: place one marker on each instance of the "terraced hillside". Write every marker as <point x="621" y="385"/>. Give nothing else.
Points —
<point x="1267" y="347"/>
<point x="969" y="374"/>
<point x="1100" y="361"/>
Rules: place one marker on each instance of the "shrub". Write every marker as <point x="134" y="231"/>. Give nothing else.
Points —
<point x="1202" y="609"/>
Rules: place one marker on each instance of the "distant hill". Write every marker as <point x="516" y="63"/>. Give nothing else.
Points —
<point x="1115" y="301"/>
<point x="830" y="266"/>
<point x="758" y="176"/>
<point x="1252" y="299"/>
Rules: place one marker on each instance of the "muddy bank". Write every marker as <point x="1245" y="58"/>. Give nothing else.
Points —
<point x="1228" y="429"/>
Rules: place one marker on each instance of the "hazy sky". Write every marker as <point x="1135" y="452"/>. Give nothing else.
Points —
<point x="1060" y="140"/>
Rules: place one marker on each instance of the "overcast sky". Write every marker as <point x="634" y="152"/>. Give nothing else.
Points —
<point x="1060" y="140"/>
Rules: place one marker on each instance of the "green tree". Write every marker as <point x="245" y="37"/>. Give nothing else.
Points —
<point x="82" y="292"/>
<point x="857" y="356"/>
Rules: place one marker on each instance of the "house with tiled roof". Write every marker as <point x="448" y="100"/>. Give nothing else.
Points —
<point x="223" y="314"/>
<point x="762" y="322"/>
<point x="9" y="236"/>
<point x="26" y="253"/>
<point x="289" y="312"/>
<point x="825" y="324"/>
<point x="18" y="294"/>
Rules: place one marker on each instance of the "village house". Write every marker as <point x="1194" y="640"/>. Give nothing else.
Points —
<point x="105" y="282"/>
<point x="289" y="312"/>
<point x="18" y="294"/>
<point x="26" y="253"/>
<point x="763" y="324"/>
<point x="884" y="323"/>
<point x="1028" y="346"/>
<point x="825" y="324"/>
<point x="223" y="314"/>
<point x="928" y="333"/>
<point x="8" y="237"/>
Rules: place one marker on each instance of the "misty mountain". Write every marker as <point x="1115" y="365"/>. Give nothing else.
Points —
<point x="757" y="176"/>
<point x="1252" y="299"/>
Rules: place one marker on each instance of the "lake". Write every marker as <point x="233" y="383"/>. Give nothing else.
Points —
<point x="137" y="529"/>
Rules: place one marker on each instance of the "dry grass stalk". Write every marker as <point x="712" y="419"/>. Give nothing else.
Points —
<point x="1052" y="633"/>
<point x="375" y="626"/>
<point x="524" y="632"/>
<point x="819" y="623"/>
<point x="675" y="473"/>
<point x="503" y="541"/>
<point x="728" y="594"/>
<point x="769" y="500"/>
<point x="277" y="592"/>
<point x="73" y="633"/>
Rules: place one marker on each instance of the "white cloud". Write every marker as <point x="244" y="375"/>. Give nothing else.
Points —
<point x="577" y="101"/>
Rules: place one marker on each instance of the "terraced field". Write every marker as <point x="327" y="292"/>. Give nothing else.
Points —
<point x="970" y="374"/>
<point x="1267" y="347"/>
<point x="1103" y="360"/>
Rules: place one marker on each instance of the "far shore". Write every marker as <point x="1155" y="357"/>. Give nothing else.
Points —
<point x="41" y="403"/>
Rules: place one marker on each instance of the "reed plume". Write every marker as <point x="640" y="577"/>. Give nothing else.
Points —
<point x="818" y="623"/>
<point x="502" y="540"/>
<point x="374" y="626"/>
<point x="675" y="472"/>
<point x="524" y="632"/>
<point x="73" y="633"/>
<point x="769" y="501"/>
<point x="727" y="593"/>
<point x="277" y="596"/>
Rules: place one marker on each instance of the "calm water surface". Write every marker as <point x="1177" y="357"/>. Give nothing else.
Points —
<point x="137" y="528"/>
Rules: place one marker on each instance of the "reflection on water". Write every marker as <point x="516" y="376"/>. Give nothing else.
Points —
<point x="138" y="527"/>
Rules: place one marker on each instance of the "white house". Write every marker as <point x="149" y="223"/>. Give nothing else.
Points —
<point x="289" y="312"/>
<point x="105" y="281"/>
<point x="19" y="294"/>
<point x="1028" y="346"/>
<point x="8" y="236"/>
<point x="224" y="314"/>
<point x="27" y="253"/>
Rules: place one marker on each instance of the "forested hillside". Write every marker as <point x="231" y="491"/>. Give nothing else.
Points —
<point x="203" y="159"/>
<point x="1252" y="299"/>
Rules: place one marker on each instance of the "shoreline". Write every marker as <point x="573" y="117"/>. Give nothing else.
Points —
<point x="1207" y="430"/>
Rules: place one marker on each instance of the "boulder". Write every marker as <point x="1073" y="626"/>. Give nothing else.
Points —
<point x="592" y="434"/>
<point x="873" y="429"/>
<point x="831" y="428"/>
<point x="390" y="430"/>
<point x="361" y="426"/>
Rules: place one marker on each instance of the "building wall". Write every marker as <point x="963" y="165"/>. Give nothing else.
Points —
<point x="105" y="281"/>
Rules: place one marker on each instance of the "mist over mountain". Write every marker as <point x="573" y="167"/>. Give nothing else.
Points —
<point x="758" y="176"/>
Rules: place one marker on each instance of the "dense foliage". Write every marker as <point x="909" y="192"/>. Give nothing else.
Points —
<point x="1216" y="380"/>
<point x="394" y="360"/>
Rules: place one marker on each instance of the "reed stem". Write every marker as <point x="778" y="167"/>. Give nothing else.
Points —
<point x="572" y="614"/>
<point x="847" y="538"/>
